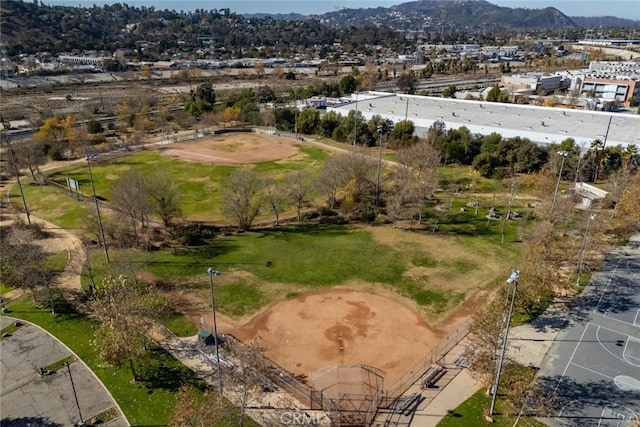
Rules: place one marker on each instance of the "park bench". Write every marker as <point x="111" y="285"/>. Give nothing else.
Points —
<point x="406" y="403"/>
<point x="433" y="375"/>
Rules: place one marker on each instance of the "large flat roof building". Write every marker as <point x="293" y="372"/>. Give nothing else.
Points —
<point x="544" y="125"/>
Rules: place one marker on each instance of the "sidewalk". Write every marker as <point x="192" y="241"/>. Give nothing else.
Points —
<point x="528" y="345"/>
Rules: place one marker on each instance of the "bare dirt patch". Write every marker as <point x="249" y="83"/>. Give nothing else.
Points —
<point x="337" y="326"/>
<point x="232" y="149"/>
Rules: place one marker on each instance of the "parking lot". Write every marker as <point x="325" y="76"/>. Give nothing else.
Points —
<point x="65" y="398"/>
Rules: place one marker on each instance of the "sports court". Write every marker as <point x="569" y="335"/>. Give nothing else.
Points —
<point x="592" y="371"/>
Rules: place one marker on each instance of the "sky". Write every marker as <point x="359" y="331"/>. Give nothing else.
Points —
<point x="621" y="8"/>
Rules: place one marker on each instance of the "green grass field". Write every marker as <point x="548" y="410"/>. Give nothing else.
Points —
<point x="435" y="265"/>
<point x="300" y="258"/>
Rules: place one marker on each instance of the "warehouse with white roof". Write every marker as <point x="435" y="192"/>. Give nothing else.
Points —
<point x="544" y="125"/>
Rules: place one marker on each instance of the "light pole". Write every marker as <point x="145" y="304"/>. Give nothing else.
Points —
<point x="379" y="165"/>
<point x="564" y="155"/>
<point x="75" y="395"/>
<point x="355" y="123"/>
<point x="17" y="172"/>
<point x="212" y="273"/>
<point x="513" y="279"/>
<point x="295" y="113"/>
<point x="584" y="247"/>
<point x="93" y="188"/>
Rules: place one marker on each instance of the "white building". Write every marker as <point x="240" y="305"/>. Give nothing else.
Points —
<point x="543" y="125"/>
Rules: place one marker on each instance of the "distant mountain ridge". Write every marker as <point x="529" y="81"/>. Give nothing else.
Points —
<point x="467" y="13"/>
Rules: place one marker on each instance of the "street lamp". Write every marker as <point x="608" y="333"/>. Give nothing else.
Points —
<point x="75" y="395"/>
<point x="564" y="155"/>
<point x="93" y="188"/>
<point x="355" y="123"/>
<point x="584" y="246"/>
<point x="17" y="172"/>
<point x="212" y="273"/>
<point x="513" y="279"/>
<point x="379" y="165"/>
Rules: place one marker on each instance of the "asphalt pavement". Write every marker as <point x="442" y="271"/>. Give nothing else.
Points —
<point x="591" y="373"/>
<point x="67" y="397"/>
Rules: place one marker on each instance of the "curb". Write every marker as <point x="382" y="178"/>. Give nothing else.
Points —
<point x="81" y="361"/>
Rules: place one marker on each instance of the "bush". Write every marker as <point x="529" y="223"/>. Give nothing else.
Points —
<point x="194" y="234"/>
<point x="94" y="126"/>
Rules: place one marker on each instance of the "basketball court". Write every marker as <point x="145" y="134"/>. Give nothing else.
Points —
<point x="593" y="369"/>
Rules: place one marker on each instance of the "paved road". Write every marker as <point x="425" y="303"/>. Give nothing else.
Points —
<point x="593" y="368"/>
<point x="27" y="399"/>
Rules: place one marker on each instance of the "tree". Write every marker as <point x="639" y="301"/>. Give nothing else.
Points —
<point x="497" y="95"/>
<point x="242" y="196"/>
<point x="126" y="312"/>
<point x="330" y="180"/>
<point x="402" y="133"/>
<point x="449" y="91"/>
<point x="329" y="122"/>
<point x="164" y="197"/>
<point x="485" y="338"/>
<point x="275" y="197"/>
<point x="22" y="261"/>
<point x="30" y="154"/>
<point x="627" y="211"/>
<point x="297" y="186"/>
<point x="51" y="134"/>
<point x="202" y="99"/>
<point x="308" y="121"/>
<point x="420" y="180"/>
<point x="94" y="126"/>
<point x="130" y="194"/>
<point x="199" y="409"/>
<point x="348" y="84"/>
<point x="407" y="82"/>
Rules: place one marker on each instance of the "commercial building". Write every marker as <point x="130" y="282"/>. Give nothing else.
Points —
<point x="612" y="81"/>
<point x="544" y="125"/>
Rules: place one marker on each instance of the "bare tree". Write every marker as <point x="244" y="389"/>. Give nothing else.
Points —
<point x="30" y="154"/>
<point x="421" y="159"/>
<point x="486" y="335"/>
<point x="275" y="197"/>
<point x="130" y="194"/>
<point x="21" y="264"/>
<point x="330" y="180"/>
<point x="127" y="311"/>
<point x="297" y="188"/>
<point x="242" y="196"/>
<point x="164" y="197"/>
<point x="196" y="409"/>
<point x="627" y="210"/>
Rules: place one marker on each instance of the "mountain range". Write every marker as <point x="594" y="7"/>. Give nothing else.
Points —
<point x="465" y="13"/>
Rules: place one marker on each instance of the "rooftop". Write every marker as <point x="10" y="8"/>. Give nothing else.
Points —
<point x="544" y="125"/>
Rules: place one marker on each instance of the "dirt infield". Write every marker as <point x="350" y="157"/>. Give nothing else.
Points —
<point x="232" y="149"/>
<point x="340" y="326"/>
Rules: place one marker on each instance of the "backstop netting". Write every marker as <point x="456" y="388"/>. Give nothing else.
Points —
<point x="355" y="391"/>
